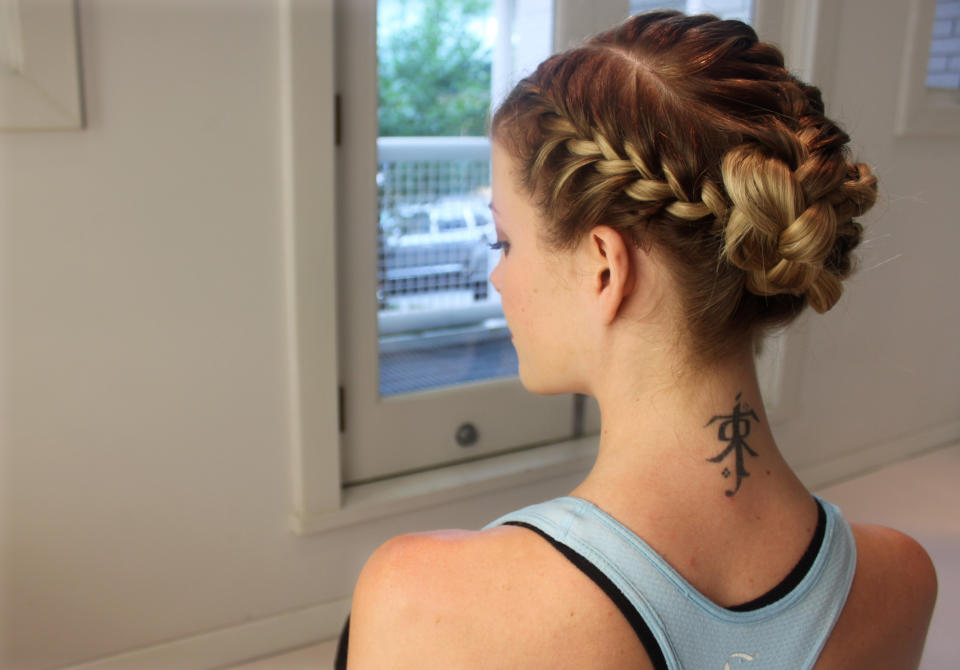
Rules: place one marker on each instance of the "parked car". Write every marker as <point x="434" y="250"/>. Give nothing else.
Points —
<point x="437" y="246"/>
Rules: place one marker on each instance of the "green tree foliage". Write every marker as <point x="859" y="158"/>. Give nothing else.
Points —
<point x="434" y="76"/>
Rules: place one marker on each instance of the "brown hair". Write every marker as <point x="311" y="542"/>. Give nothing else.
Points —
<point x="688" y="134"/>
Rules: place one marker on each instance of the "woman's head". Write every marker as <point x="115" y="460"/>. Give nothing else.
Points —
<point x="688" y="136"/>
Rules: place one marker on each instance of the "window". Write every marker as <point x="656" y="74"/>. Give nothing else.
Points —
<point x="725" y="9"/>
<point x="429" y="373"/>
<point x="929" y="86"/>
<point x="441" y="64"/>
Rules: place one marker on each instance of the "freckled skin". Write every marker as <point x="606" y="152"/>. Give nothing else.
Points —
<point x="536" y="287"/>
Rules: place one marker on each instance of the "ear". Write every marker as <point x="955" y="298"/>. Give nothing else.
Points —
<point x="610" y="260"/>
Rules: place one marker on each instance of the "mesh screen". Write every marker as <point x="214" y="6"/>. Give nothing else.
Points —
<point x="440" y="322"/>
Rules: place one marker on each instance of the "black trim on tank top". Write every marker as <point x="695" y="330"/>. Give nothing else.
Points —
<point x="636" y="621"/>
<point x="800" y="570"/>
<point x="340" y="661"/>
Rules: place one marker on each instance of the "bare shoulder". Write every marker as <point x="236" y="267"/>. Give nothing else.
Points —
<point x="410" y="599"/>
<point x="893" y="551"/>
<point x="408" y="565"/>
<point x="496" y="598"/>
<point x="899" y="572"/>
<point x="884" y="623"/>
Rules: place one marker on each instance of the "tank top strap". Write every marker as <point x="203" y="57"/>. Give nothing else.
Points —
<point x="690" y="631"/>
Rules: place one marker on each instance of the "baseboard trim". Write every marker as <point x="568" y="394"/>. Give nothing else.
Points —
<point x="236" y="644"/>
<point x="876" y="456"/>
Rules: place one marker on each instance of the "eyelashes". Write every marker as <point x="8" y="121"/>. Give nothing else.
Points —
<point x="501" y="245"/>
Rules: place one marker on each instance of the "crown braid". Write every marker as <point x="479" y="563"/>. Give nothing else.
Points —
<point x="687" y="133"/>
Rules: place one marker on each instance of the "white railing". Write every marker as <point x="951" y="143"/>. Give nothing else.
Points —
<point x="392" y="323"/>
<point x="399" y="149"/>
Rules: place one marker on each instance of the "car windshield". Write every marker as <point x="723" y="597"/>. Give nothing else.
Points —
<point x="451" y="224"/>
<point x="415" y="224"/>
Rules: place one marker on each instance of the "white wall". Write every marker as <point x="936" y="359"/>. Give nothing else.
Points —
<point x="146" y="455"/>
<point x="147" y="466"/>
<point x="884" y="365"/>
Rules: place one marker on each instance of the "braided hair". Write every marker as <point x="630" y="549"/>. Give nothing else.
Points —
<point x="686" y="133"/>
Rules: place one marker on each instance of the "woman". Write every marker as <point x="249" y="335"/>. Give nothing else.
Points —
<point x="664" y="195"/>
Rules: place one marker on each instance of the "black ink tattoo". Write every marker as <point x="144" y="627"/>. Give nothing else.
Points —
<point x="734" y="429"/>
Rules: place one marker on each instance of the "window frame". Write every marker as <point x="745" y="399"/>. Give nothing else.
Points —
<point x="308" y="143"/>
<point x="922" y="111"/>
<point x="424" y="422"/>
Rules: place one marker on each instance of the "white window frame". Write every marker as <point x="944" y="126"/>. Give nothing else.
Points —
<point x="423" y="423"/>
<point x="310" y="187"/>
<point x="922" y="111"/>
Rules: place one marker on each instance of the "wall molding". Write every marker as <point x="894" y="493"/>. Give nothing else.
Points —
<point x="40" y="66"/>
<point x="235" y="644"/>
<point x="876" y="456"/>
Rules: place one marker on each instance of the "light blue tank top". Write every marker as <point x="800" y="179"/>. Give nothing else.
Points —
<point x="692" y="632"/>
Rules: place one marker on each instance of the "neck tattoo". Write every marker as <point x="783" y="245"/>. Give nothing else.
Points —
<point x="734" y="429"/>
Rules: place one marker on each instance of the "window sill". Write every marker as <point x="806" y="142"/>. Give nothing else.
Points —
<point x="781" y="359"/>
<point x="409" y="493"/>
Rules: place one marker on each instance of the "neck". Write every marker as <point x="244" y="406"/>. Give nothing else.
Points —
<point x="689" y="463"/>
<point x="686" y="444"/>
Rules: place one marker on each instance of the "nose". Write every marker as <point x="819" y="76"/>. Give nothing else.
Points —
<point x="495" y="275"/>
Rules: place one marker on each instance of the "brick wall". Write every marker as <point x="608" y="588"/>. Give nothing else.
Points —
<point x="943" y="68"/>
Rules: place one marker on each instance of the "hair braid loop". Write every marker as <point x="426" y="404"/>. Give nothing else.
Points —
<point x="637" y="161"/>
<point x="674" y="183"/>
<point x="689" y="211"/>
<point x="648" y="190"/>
<point x="715" y="200"/>
<point x="812" y="235"/>
<point x="605" y="148"/>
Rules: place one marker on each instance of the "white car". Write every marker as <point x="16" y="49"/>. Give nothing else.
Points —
<point x="438" y="246"/>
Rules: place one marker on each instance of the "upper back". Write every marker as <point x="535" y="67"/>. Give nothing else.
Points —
<point x="504" y="598"/>
<point x="785" y="626"/>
